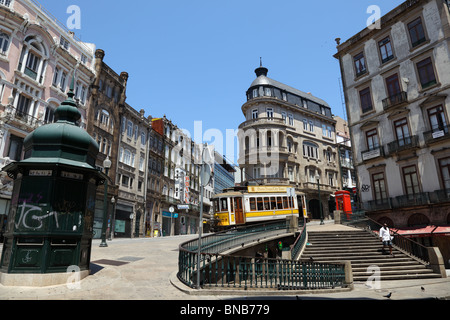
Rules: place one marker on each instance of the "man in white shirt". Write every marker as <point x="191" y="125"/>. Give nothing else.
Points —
<point x="385" y="236"/>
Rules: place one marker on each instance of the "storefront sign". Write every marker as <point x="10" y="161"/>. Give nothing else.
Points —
<point x="187" y="183"/>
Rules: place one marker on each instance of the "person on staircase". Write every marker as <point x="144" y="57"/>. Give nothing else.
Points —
<point x="386" y="238"/>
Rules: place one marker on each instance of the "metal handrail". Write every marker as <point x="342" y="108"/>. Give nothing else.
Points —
<point x="219" y="270"/>
<point x="408" y="246"/>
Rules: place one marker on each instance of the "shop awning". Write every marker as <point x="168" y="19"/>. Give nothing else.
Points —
<point x="427" y="231"/>
<point x="442" y="231"/>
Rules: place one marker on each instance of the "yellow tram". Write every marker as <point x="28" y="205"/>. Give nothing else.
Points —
<point x="256" y="204"/>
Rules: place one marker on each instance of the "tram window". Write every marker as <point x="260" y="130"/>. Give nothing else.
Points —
<point x="273" y="203"/>
<point x="223" y="204"/>
<point x="216" y="205"/>
<point x="252" y="204"/>
<point x="267" y="203"/>
<point x="260" y="204"/>
<point x="285" y="203"/>
<point x="279" y="203"/>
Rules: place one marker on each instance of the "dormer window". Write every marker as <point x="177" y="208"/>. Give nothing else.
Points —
<point x="255" y="93"/>
<point x="64" y="43"/>
<point x="268" y="92"/>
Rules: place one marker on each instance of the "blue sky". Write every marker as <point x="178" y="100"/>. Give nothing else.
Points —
<point x="194" y="60"/>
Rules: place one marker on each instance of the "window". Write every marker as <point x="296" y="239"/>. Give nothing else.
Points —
<point x="31" y="61"/>
<point x="268" y="92"/>
<point x="5" y="3"/>
<point x="56" y="76"/>
<point x="426" y="73"/>
<point x="416" y="32"/>
<point x="310" y="150"/>
<point x="22" y="106"/>
<point x="290" y="145"/>
<point x="255" y="93"/>
<point x="311" y="125"/>
<point x="291" y="173"/>
<point x="260" y="204"/>
<point x="4" y="43"/>
<point x="32" y="65"/>
<point x="284" y="96"/>
<point x="269" y="113"/>
<point x="130" y="128"/>
<point x="305" y="124"/>
<point x="385" y="48"/>
<point x="360" y="64"/>
<point x="393" y="87"/>
<point x="83" y="58"/>
<point x="366" y="100"/>
<point x="62" y="82"/>
<point x="15" y="148"/>
<point x="291" y="119"/>
<point x="437" y="119"/>
<point x="143" y="138"/>
<point x="252" y="204"/>
<point x="331" y="179"/>
<point x="64" y="43"/>
<point x="256" y="173"/>
<point x="49" y="115"/>
<point x="402" y="132"/>
<point x="444" y="165"/>
<point x="411" y="180"/>
<point x="255" y="114"/>
<point x="379" y="187"/>
<point x="372" y="139"/>
<point x="269" y="138"/>
<point x="284" y="116"/>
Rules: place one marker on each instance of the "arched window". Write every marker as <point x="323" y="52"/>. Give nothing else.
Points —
<point x="4" y="43"/>
<point x="310" y="150"/>
<point x="33" y="58"/>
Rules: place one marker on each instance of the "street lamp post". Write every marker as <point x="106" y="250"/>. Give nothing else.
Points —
<point x="106" y="165"/>
<point x="320" y="201"/>
<point x="113" y="218"/>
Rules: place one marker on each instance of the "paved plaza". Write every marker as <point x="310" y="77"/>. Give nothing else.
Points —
<point x="145" y="269"/>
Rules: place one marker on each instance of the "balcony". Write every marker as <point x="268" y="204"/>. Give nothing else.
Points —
<point x="436" y="135"/>
<point x="373" y="153"/>
<point x="263" y="122"/>
<point x="395" y="100"/>
<point x="376" y="205"/>
<point x="417" y="199"/>
<point x="270" y="181"/>
<point x="403" y="144"/>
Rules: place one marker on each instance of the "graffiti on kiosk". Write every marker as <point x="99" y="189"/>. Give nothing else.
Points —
<point x="31" y="217"/>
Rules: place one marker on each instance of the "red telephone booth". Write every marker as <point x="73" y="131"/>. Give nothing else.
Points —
<point x="344" y="202"/>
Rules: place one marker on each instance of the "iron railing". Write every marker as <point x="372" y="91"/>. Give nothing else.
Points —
<point x="299" y="243"/>
<point x="402" y="243"/>
<point x="226" y="271"/>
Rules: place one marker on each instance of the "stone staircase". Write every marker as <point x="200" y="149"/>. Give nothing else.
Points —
<point x="364" y="250"/>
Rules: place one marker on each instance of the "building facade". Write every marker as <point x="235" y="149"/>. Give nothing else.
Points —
<point x="289" y="138"/>
<point x="397" y="85"/>
<point x="39" y="57"/>
<point x="132" y="173"/>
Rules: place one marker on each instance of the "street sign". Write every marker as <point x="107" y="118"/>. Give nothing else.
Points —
<point x="183" y="207"/>
<point x="291" y="192"/>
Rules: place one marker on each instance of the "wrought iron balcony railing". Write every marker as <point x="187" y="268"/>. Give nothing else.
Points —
<point x="403" y="144"/>
<point x="438" y="134"/>
<point x="395" y="100"/>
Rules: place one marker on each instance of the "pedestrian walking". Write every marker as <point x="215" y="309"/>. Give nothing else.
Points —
<point x="386" y="238"/>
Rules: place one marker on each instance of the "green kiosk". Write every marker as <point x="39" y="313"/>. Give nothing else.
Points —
<point x="50" y="223"/>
